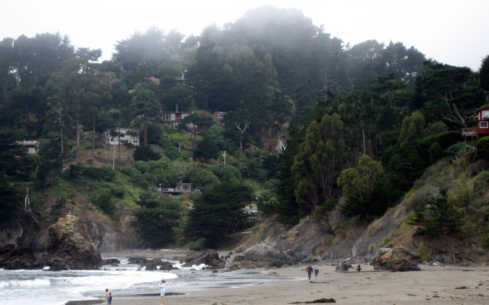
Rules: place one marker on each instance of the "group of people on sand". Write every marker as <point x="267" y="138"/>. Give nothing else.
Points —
<point x="341" y="268"/>
<point x="162" y="286"/>
<point x="310" y="270"/>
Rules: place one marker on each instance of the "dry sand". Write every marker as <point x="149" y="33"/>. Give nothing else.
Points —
<point x="431" y="285"/>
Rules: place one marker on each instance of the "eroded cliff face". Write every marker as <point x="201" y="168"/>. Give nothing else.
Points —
<point x="316" y="239"/>
<point x="63" y="242"/>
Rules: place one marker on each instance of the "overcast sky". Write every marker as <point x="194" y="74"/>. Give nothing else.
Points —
<point x="449" y="31"/>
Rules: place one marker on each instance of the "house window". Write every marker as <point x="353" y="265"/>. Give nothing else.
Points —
<point x="485" y="115"/>
<point x="483" y="124"/>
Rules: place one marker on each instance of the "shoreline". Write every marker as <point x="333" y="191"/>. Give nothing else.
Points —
<point x="432" y="285"/>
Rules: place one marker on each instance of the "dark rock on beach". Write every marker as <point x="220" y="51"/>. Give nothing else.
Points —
<point x="18" y="258"/>
<point x="166" y="266"/>
<point x="210" y="259"/>
<point x="111" y="261"/>
<point x="137" y="260"/>
<point x="151" y="265"/>
<point x="398" y="259"/>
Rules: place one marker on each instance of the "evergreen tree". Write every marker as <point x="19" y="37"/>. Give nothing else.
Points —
<point x="218" y="212"/>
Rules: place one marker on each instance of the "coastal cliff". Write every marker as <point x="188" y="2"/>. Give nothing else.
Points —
<point x="71" y="242"/>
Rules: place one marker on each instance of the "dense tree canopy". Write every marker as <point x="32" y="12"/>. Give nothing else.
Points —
<point x="361" y="121"/>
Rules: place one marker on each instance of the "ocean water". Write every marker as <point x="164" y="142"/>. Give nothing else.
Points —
<point x="43" y="287"/>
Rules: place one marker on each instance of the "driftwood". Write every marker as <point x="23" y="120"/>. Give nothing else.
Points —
<point x="318" y="301"/>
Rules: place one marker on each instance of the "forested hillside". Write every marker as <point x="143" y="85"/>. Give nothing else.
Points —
<point x="359" y="123"/>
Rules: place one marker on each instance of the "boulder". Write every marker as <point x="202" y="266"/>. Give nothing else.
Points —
<point x="137" y="260"/>
<point x="151" y="265"/>
<point x="379" y="253"/>
<point x="234" y="267"/>
<point x="166" y="266"/>
<point x="210" y="259"/>
<point x="111" y="261"/>
<point x="57" y="264"/>
<point x="12" y="257"/>
<point x="238" y="258"/>
<point x="398" y="259"/>
<point x="70" y="247"/>
<point x="263" y="255"/>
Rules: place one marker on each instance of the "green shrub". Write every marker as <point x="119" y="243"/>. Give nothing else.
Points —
<point x="485" y="238"/>
<point x="104" y="203"/>
<point x="145" y="153"/>
<point x="323" y="209"/>
<point x="483" y="148"/>
<point x="131" y="172"/>
<point x="141" y="166"/>
<point x="438" y="216"/>
<point x="117" y="191"/>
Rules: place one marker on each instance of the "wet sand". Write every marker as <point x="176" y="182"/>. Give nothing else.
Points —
<point x="431" y="285"/>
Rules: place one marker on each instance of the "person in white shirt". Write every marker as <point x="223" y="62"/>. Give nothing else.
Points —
<point x="162" y="286"/>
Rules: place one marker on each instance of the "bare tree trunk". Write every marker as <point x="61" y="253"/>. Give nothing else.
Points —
<point x="119" y="142"/>
<point x="61" y="136"/>
<point x="363" y="135"/>
<point x="77" y="128"/>
<point x="145" y="131"/>
<point x="93" y="138"/>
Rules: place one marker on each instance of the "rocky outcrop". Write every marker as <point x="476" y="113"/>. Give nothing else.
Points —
<point x="264" y="255"/>
<point x="210" y="259"/>
<point x="398" y="259"/>
<point x="151" y="266"/>
<point x="378" y="254"/>
<point x="71" y="247"/>
<point x="19" y="258"/>
<point x="111" y="261"/>
<point x="166" y="266"/>
<point x="137" y="260"/>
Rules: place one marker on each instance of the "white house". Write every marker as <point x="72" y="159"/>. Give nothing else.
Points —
<point x="126" y="136"/>
<point x="32" y="146"/>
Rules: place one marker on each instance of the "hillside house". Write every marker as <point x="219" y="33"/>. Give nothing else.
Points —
<point x="181" y="78"/>
<point x="251" y="208"/>
<point x="179" y="189"/>
<point x="126" y="136"/>
<point x="482" y="122"/>
<point x="219" y="116"/>
<point x="32" y="146"/>
<point x="173" y="118"/>
<point x="280" y="147"/>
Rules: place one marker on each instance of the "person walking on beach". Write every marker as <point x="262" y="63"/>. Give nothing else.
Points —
<point x="316" y="273"/>
<point x="309" y="271"/>
<point x="162" y="286"/>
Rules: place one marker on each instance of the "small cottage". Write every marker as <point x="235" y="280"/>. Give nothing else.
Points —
<point x="32" y="146"/>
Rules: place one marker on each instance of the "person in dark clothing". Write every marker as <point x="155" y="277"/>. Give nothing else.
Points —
<point x="309" y="271"/>
<point x="316" y="273"/>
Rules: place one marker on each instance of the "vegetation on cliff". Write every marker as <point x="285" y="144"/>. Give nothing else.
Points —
<point x="360" y="125"/>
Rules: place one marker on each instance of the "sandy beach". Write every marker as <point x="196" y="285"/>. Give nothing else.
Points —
<point x="431" y="285"/>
